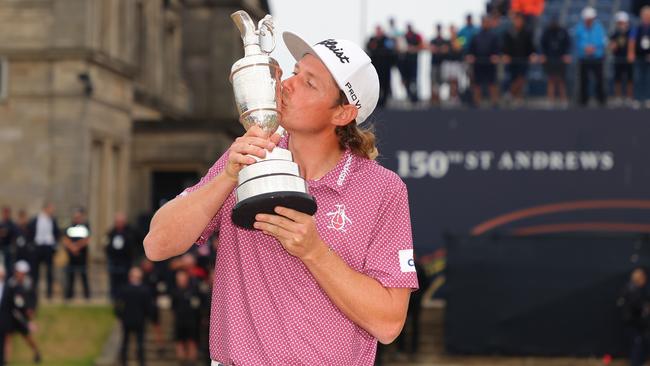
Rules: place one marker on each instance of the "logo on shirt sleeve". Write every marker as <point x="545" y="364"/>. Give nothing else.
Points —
<point x="406" y="261"/>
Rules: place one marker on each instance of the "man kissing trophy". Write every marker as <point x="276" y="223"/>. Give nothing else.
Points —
<point x="274" y="180"/>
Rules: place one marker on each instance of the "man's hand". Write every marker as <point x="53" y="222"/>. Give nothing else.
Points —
<point x="295" y="230"/>
<point x="254" y="142"/>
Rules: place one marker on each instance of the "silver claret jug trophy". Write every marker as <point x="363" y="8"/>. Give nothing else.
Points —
<point x="274" y="180"/>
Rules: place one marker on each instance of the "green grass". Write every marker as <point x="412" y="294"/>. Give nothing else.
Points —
<point x="67" y="335"/>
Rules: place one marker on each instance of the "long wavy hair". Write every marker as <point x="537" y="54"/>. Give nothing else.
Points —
<point x="360" y="141"/>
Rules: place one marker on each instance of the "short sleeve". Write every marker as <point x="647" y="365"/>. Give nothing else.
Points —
<point x="633" y="33"/>
<point x="390" y="253"/>
<point x="213" y="225"/>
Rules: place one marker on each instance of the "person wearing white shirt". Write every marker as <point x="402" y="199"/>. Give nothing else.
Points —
<point x="45" y="233"/>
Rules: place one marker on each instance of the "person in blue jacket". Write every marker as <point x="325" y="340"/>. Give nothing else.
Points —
<point x="590" y="43"/>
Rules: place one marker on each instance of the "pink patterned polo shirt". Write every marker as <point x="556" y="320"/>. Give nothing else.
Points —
<point x="267" y="309"/>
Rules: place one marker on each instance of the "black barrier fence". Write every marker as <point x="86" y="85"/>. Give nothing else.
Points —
<point x="545" y="295"/>
<point x="543" y="215"/>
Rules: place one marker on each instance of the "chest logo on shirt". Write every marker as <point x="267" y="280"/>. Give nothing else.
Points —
<point x="338" y="218"/>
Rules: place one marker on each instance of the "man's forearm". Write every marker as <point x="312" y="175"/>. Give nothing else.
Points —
<point x="378" y="310"/>
<point x="177" y="225"/>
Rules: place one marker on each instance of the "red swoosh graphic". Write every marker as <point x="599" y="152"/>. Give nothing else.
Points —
<point x="557" y="207"/>
<point x="582" y="226"/>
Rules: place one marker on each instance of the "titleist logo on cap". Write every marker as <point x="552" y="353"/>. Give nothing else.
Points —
<point x="331" y="44"/>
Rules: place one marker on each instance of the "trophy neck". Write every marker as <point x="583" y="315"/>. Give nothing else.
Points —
<point x="252" y="50"/>
<point x="249" y="34"/>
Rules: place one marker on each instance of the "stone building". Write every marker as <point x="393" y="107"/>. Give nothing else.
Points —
<point x="113" y="105"/>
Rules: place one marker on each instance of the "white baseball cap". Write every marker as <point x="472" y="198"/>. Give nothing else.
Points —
<point x="588" y="13"/>
<point x="21" y="266"/>
<point x="622" y="16"/>
<point x="349" y="65"/>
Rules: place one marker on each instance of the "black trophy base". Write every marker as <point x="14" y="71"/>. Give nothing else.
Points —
<point x="243" y="214"/>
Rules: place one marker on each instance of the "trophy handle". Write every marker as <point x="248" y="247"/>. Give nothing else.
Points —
<point x="266" y="22"/>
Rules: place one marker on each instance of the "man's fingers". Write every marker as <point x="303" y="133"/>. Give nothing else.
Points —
<point x="246" y="149"/>
<point x="273" y="230"/>
<point x="280" y="221"/>
<point x="275" y="138"/>
<point x="260" y="142"/>
<point x="294" y="215"/>
<point x="257" y="133"/>
<point x="242" y="159"/>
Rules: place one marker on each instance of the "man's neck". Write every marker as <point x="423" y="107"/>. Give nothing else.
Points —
<point x="316" y="155"/>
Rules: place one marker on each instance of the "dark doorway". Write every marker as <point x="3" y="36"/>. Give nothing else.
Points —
<point x="167" y="185"/>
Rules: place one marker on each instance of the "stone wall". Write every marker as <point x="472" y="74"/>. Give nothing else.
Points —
<point x="80" y="72"/>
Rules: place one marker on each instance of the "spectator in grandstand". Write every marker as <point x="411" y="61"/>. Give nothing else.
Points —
<point x="75" y="240"/>
<point x="530" y="9"/>
<point x="133" y="308"/>
<point x="24" y="298"/>
<point x="500" y="23"/>
<point x="46" y="234"/>
<point x="399" y="53"/>
<point x="634" y="307"/>
<point x="453" y="69"/>
<point x="120" y="247"/>
<point x="7" y="237"/>
<point x="501" y="7"/>
<point x="518" y="50"/>
<point x="639" y="52"/>
<point x="590" y="41"/>
<point x="381" y="49"/>
<point x="467" y="32"/>
<point x="414" y="45"/>
<point x="637" y="5"/>
<point x="618" y="45"/>
<point x="556" y="54"/>
<point x="439" y="47"/>
<point x="483" y="55"/>
<point x="186" y="305"/>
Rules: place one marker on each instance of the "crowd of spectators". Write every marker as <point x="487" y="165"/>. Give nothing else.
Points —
<point x="494" y="59"/>
<point x="137" y="288"/>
